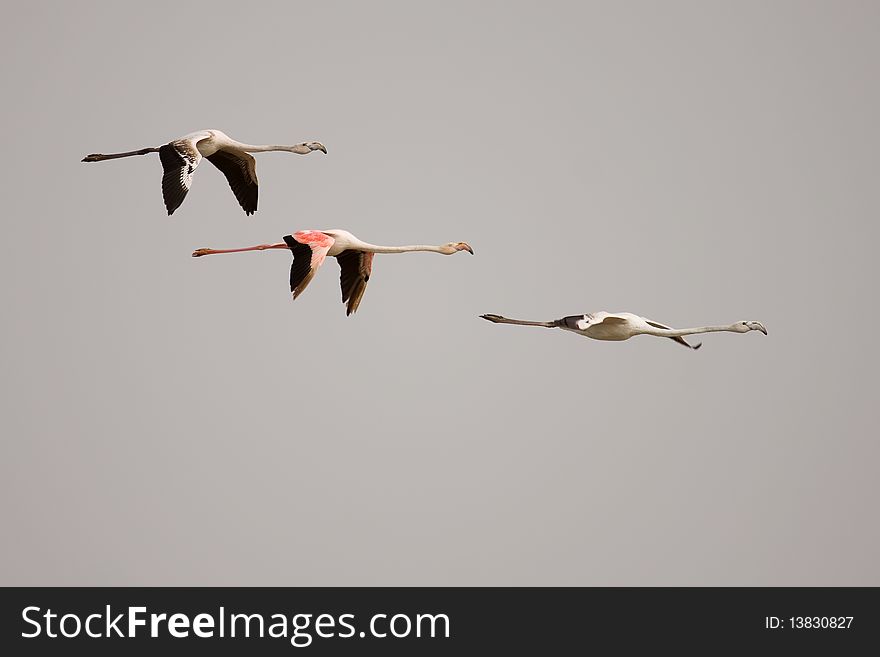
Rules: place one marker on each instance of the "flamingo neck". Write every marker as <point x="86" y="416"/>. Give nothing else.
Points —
<point x="249" y="148"/>
<point x="376" y="248"/>
<point x="677" y="333"/>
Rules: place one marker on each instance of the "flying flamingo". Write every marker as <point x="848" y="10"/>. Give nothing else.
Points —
<point x="623" y="326"/>
<point x="311" y="247"/>
<point x="181" y="157"/>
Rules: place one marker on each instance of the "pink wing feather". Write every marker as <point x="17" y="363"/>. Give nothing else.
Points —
<point x="319" y="243"/>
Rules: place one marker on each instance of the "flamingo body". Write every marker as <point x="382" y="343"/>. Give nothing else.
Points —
<point x="623" y="326"/>
<point x="180" y="158"/>
<point x="311" y="247"/>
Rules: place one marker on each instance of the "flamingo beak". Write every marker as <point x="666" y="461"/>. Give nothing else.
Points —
<point x="318" y="146"/>
<point x="464" y="246"/>
<point x="761" y="328"/>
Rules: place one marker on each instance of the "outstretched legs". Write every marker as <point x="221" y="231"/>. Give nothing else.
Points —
<point x="98" y="157"/>
<point x="259" y="247"/>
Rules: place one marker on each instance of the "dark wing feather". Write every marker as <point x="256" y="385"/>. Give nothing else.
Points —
<point x="571" y="322"/>
<point x="301" y="269"/>
<point x="355" y="268"/>
<point x="678" y="339"/>
<point x="178" y="164"/>
<point x="241" y="172"/>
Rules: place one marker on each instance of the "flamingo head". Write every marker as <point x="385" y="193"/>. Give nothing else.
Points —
<point x="746" y="326"/>
<point x="307" y="147"/>
<point x="455" y="247"/>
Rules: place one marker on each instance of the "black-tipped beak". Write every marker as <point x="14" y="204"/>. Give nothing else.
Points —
<point x="763" y="330"/>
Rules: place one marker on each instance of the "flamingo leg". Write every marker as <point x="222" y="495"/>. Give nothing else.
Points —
<point x="100" y="157"/>
<point x="259" y="247"/>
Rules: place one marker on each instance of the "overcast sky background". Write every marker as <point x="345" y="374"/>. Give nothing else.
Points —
<point x="176" y="421"/>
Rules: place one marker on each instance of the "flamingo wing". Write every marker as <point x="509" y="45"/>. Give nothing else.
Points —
<point x="240" y="169"/>
<point x="608" y="319"/>
<point x="309" y="248"/>
<point x="678" y="339"/>
<point x="355" y="268"/>
<point x="179" y="160"/>
<point x="585" y="321"/>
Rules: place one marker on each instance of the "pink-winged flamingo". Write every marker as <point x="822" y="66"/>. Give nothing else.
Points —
<point x="623" y="326"/>
<point x="311" y="247"/>
<point x="181" y="157"/>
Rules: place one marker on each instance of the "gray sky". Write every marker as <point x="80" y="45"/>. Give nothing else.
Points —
<point x="173" y="421"/>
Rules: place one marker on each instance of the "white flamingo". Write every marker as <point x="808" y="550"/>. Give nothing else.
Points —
<point x="623" y="326"/>
<point x="181" y="157"/>
<point x="311" y="247"/>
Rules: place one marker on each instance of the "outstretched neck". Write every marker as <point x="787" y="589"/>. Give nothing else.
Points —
<point x="377" y="248"/>
<point x="677" y="333"/>
<point x="250" y="148"/>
